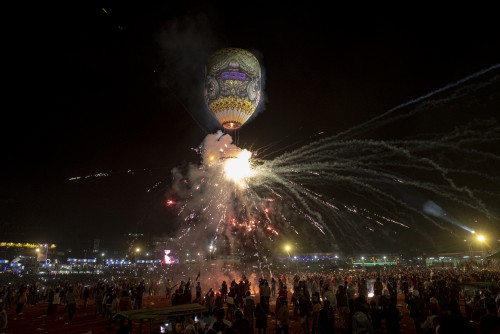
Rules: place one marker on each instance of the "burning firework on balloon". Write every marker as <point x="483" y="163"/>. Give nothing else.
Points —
<point x="333" y="194"/>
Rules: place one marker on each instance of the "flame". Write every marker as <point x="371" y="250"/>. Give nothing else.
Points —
<point x="239" y="168"/>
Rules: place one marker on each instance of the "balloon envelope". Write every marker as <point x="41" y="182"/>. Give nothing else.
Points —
<point x="232" y="86"/>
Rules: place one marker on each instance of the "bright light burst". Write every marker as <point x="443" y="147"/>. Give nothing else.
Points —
<point x="239" y="169"/>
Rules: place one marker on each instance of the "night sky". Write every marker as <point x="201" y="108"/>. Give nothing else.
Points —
<point x="115" y="88"/>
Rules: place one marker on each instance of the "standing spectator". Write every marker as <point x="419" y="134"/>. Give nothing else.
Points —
<point x="283" y="293"/>
<point x="417" y="309"/>
<point x="50" y="300"/>
<point x="168" y="289"/>
<point x="405" y="286"/>
<point x="393" y="291"/>
<point x="230" y="304"/>
<point x="98" y="297"/>
<point x="295" y="301"/>
<point x="392" y="317"/>
<point x="32" y="295"/>
<point x="9" y="298"/>
<point x="328" y="294"/>
<point x="198" y="293"/>
<point x="187" y="291"/>
<point x="260" y="319"/>
<point x="106" y="301"/>
<point x="139" y="293"/>
<point x="376" y="316"/>
<point x="429" y="324"/>
<point x="55" y="303"/>
<point x="3" y="319"/>
<point x="70" y="304"/>
<point x="125" y="304"/>
<point x="343" y="308"/>
<point x="190" y="329"/>
<point x="224" y="291"/>
<point x="113" y="310"/>
<point x="282" y="316"/>
<point x="265" y="295"/>
<point x="210" y="300"/>
<point x="305" y="311"/>
<point x="315" y="313"/>
<point x="219" y="324"/>
<point x="240" y="294"/>
<point x="434" y="307"/>
<point x="378" y="287"/>
<point x="86" y="295"/>
<point x="363" y="288"/>
<point x="22" y="300"/>
<point x="240" y="324"/>
<point x="218" y="302"/>
<point x="151" y="289"/>
<point x="273" y="287"/>
<point x="326" y="319"/>
<point x="361" y="324"/>
<point x="249" y="309"/>
<point x="351" y="291"/>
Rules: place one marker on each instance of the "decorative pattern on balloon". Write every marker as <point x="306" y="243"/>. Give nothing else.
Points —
<point x="232" y="86"/>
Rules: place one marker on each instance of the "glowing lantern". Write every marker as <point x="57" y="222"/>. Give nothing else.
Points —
<point x="232" y="86"/>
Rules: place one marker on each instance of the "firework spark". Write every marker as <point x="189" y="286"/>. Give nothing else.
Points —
<point x="341" y="194"/>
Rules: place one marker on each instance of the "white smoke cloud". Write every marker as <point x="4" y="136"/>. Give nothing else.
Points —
<point x="217" y="146"/>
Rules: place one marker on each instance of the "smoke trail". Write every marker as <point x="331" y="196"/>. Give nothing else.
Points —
<point x="425" y="103"/>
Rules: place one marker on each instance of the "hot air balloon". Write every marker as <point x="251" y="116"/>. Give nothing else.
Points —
<point x="232" y="86"/>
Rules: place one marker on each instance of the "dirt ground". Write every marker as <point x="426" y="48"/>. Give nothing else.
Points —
<point x="34" y="320"/>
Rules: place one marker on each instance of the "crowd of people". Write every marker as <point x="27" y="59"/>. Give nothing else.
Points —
<point x="337" y="302"/>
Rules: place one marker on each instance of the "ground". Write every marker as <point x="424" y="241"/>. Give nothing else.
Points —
<point x="34" y="320"/>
